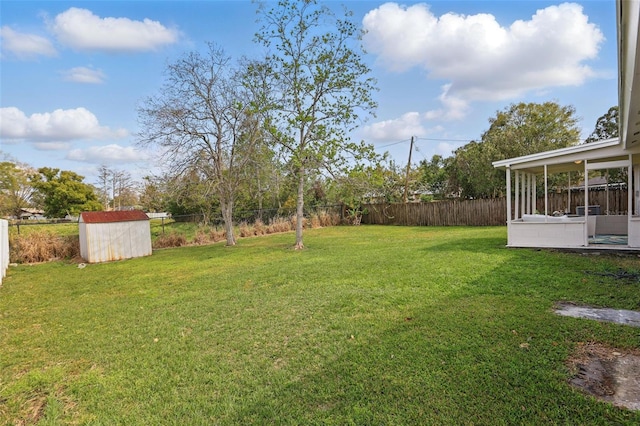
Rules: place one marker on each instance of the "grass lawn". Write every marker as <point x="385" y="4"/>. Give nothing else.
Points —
<point x="368" y="325"/>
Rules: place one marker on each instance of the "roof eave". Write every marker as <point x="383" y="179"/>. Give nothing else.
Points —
<point x="556" y="153"/>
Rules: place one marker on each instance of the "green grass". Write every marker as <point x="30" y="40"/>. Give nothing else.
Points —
<point x="368" y="325"/>
<point x="156" y="226"/>
<point x="62" y="229"/>
<point x="189" y="229"/>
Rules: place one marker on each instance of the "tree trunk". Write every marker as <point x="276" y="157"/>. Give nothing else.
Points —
<point x="300" y="211"/>
<point x="227" y="217"/>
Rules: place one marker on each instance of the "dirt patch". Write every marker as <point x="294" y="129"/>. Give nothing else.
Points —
<point x="609" y="374"/>
<point x="620" y="274"/>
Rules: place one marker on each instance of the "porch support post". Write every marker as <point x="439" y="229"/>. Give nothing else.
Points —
<point x="636" y="187"/>
<point x="517" y="193"/>
<point x="586" y="204"/>
<point x="569" y="193"/>
<point x="509" y="197"/>
<point x="630" y="189"/>
<point x="546" y="194"/>
<point x="534" y="194"/>
<point x="523" y="193"/>
<point x="529" y="193"/>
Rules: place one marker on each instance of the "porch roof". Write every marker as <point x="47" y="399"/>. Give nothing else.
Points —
<point x="566" y="159"/>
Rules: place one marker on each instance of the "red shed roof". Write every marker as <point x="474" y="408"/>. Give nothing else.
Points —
<point x="108" y="217"/>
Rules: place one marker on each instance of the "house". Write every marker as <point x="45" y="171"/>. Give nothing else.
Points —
<point x="528" y="228"/>
<point x="107" y="236"/>
<point x="28" y="213"/>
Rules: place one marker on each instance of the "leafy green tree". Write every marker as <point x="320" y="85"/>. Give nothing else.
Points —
<point x="64" y="192"/>
<point x="520" y="129"/>
<point x="15" y="188"/>
<point x="191" y="193"/>
<point x="153" y="194"/>
<point x="433" y="176"/>
<point x="471" y="174"/>
<point x="606" y="126"/>
<point x="380" y="182"/>
<point x="262" y="182"/>
<point x="318" y="87"/>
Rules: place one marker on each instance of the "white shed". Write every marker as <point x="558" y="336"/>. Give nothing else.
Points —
<point x="107" y="236"/>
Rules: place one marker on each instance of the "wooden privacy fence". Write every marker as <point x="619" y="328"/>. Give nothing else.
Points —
<point x="485" y="212"/>
<point x="617" y="199"/>
<point x="4" y="248"/>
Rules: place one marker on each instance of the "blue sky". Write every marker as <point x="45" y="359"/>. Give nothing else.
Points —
<point x="72" y="74"/>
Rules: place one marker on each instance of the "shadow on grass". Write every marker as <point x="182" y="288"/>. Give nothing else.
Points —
<point x="491" y="352"/>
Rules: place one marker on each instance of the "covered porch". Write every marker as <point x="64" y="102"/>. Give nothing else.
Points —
<point x="532" y="224"/>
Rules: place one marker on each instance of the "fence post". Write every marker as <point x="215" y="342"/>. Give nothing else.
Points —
<point x="4" y="248"/>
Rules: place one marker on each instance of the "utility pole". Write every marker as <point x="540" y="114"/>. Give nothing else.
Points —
<point x="406" y="180"/>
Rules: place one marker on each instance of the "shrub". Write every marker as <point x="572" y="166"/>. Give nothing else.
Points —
<point x="217" y="235"/>
<point x="315" y="221"/>
<point x="245" y="230"/>
<point x="172" y="239"/>
<point x="201" y="237"/>
<point x="294" y="222"/>
<point x="279" y="224"/>
<point x="259" y="227"/>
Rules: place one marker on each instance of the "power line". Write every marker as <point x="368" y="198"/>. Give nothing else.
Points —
<point x="394" y="143"/>
<point x="445" y="140"/>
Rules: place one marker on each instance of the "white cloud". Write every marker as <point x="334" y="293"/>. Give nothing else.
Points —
<point x="453" y="107"/>
<point x="108" y="154"/>
<point x="84" y="75"/>
<point x="481" y="59"/>
<point x="397" y="129"/>
<point x="446" y="149"/>
<point x="52" y="146"/>
<point x="82" y="30"/>
<point x="23" y="45"/>
<point x="57" y="126"/>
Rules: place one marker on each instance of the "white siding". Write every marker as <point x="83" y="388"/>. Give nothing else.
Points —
<point x="4" y="248"/>
<point x="634" y="232"/>
<point x="104" y="242"/>
<point x="552" y="234"/>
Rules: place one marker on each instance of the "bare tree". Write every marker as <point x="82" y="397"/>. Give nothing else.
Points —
<point x="124" y="189"/>
<point x="104" y="184"/>
<point x="204" y="118"/>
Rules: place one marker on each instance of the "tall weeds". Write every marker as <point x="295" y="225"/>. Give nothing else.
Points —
<point x="42" y="246"/>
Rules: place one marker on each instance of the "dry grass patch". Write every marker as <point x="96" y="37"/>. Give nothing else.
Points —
<point x="279" y="224"/>
<point x="244" y="230"/>
<point x="259" y="228"/>
<point x="172" y="239"/>
<point x="202" y="237"/>
<point x="217" y="235"/>
<point x="43" y="246"/>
